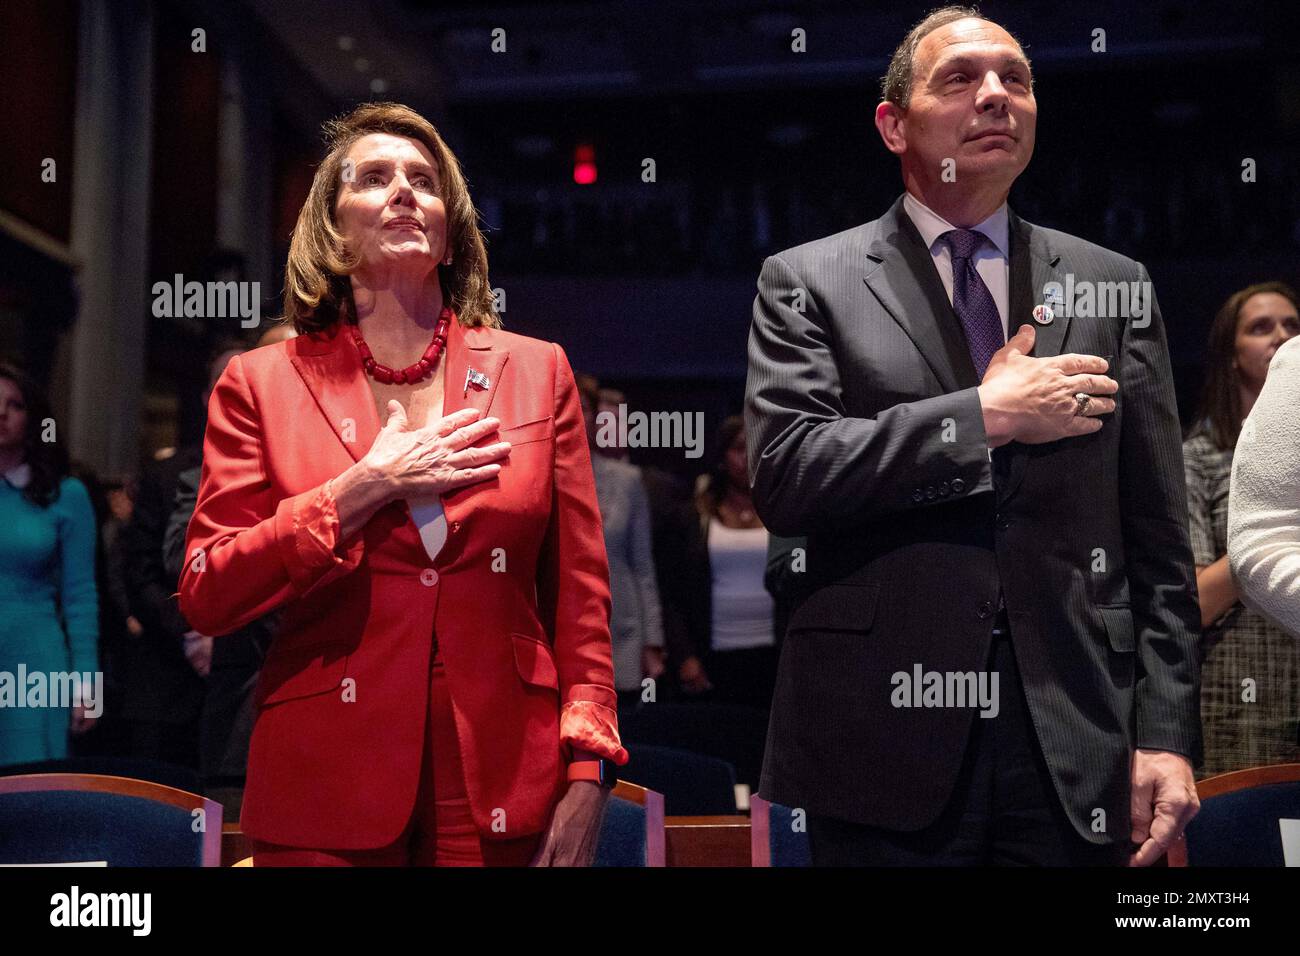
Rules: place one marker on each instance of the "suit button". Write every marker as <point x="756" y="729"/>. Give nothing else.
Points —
<point x="918" y="496"/>
<point x="428" y="577"/>
<point x="985" y="610"/>
<point x="944" y="489"/>
<point x="455" y="526"/>
<point x="958" y="486"/>
<point x="1003" y="522"/>
<point x="930" y="493"/>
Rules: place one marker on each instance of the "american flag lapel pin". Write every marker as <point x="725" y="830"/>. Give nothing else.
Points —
<point x="477" y="379"/>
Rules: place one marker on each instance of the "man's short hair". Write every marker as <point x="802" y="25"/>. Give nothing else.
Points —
<point x="896" y="84"/>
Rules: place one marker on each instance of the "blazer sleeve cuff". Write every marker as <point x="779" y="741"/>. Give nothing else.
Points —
<point x="589" y="725"/>
<point x="307" y="530"/>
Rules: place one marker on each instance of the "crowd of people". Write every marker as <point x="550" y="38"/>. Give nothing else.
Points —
<point x="700" y="590"/>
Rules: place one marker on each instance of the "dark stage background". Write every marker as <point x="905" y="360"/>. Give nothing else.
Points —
<point x="169" y="160"/>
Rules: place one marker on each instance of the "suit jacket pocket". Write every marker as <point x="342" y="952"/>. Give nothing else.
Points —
<point x="1118" y="619"/>
<point x="301" y="672"/>
<point x="837" y="607"/>
<point x="535" y="662"/>
<point x="538" y="430"/>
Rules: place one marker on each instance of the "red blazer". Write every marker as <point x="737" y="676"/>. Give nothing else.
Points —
<point x="518" y="596"/>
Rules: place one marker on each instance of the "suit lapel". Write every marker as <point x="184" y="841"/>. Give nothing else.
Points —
<point x="1033" y="266"/>
<point x="330" y="367"/>
<point x="471" y="349"/>
<point x="901" y="274"/>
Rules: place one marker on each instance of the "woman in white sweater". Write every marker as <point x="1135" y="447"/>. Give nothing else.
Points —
<point x="1264" y="507"/>
<point x="1244" y="724"/>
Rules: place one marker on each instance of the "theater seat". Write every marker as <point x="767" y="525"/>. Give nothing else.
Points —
<point x="632" y="830"/>
<point x="778" y="835"/>
<point x="1241" y="819"/>
<point x="87" y="818"/>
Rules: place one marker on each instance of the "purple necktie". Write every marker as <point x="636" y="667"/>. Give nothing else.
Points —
<point x="971" y="299"/>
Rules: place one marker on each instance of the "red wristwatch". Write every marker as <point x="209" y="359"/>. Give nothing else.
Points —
<point x="599" y="771"/>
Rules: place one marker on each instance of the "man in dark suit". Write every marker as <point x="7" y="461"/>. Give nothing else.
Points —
<point x="163" y="691"/>
<point x="995" y="657"/>
<point x="165" y="667"/>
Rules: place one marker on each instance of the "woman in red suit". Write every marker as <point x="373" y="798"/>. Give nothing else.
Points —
<point x="439" y="690"/>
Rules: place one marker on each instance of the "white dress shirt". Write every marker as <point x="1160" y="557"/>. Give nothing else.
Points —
<point x="429" y="517"/>
<point x="993" y="263"/>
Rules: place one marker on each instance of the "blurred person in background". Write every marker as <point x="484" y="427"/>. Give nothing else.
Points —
<point x="165" y="665"/>
<point x="234" y="662"/>
<point x="119" y="505"/>
<point x="1260" y="725"/>
<point x="607" y="402"/>
<point x="118" y="626"/>
<point x="49" y="608"/>
<point x="635" y="624"/>
<point x="111" y="504"/>
<point x="730" y="616"/>
<point x="672" y="517"/>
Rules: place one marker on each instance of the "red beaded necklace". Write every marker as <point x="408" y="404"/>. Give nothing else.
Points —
<point x="412" y="373"/>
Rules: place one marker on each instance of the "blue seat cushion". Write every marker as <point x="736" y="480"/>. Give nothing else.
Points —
<point x="1241" y="829"/>
<point x="73" y="826"/>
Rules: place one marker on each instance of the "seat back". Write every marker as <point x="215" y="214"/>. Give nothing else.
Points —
<point x="632" y="829"/>
<point x="87" y="818"/>
<point x="1242" y="818"/>
<point x="778" y="835"/>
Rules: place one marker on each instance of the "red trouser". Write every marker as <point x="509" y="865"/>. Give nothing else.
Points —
<point x="441" y="831"/>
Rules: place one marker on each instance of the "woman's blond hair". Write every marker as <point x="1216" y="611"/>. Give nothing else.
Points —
<point x="317" y="288"/>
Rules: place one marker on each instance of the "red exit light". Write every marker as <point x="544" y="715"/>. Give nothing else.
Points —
<point x="584" y="164"/>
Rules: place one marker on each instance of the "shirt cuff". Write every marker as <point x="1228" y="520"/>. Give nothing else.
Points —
<point x="307" y="526"/>
<point x="587" y="725"/>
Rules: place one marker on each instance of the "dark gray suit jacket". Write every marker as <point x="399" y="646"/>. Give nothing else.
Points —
<point x="866" y="434"/>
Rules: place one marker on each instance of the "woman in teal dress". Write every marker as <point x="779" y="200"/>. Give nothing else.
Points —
<point x="48" y="605"/>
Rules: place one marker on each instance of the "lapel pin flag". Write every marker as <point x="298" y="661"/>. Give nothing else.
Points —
<point x="477" y="379"/>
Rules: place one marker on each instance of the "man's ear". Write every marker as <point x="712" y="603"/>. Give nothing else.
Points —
<point x="891" y="124"/>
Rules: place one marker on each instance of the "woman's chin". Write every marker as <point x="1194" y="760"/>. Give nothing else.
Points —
<point x="411" y="251"/>
<point x="406" y="245"/>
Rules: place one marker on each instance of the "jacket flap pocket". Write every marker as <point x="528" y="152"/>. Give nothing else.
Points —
<point x="837" y="607"/>
<point x="529" y="431"/>
<point x="535" y="662"/>
<point x="1119" y="627"/>
<point x="301" y="672"/>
